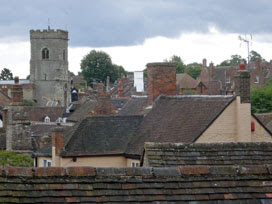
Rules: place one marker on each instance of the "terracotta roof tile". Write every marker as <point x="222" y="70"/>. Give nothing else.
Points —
<point x="191" y="184"/>
<point x="178" y="119"/>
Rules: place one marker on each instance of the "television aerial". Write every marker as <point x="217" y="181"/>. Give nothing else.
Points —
<point x="247" y="39"/>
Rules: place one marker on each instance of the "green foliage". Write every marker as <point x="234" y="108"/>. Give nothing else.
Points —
<point x="254" y="56"/>
<point x="14" y="159"/>
<point x="193" y="69"/>
<point x="28" y="102"/>
<point x="6" y="74"/>
<point x="261" y="99"/>
<point x="180" y="66"/>
<point x="97" y="65"/>
<point x="235" y="60"/>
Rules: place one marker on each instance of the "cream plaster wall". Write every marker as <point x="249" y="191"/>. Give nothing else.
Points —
<point x="104" y="161"/>
<point x="40" y="160"/>
<point x="223" y="129"/>
<point x="234" y="125"/>
<point x="260" y="134"/>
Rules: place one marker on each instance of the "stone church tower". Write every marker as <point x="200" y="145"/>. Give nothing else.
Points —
<point x="49" y="67"/>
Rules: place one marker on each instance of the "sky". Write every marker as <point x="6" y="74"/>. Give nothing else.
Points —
<point x="137" y="32"/>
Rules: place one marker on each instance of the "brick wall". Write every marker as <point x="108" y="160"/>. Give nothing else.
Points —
<point x="242" y="85"/>
<point x="161" y="79"/>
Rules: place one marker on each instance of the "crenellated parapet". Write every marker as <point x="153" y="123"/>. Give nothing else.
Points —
<point x="49" y="34"/>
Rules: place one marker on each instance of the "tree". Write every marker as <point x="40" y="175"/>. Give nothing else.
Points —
<point x="14" y="159"/>
<point x="6" y="74"/>
<point x="235" y="60"/>
<point x="180" y="66"/>
<point x="193" y="69"/>
<point x="254" y="56"/>
<point x="97" y="65"/>
<point x="261" y="98"/>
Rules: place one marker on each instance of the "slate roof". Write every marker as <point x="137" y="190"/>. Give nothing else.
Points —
<point x="102" y="135"/>
<point x="41" y="138"/>
<point x="185" y="81"/>
<point x="213" y="87"/>
<point x="178" y="154"/>
<point x="38" y="113"/>
<point x="136" y="105"/>
<point x="82" y="110"/>
<point x="265" y="118"/>
<point x="119" y="102"/>
<point x="178" y="119"/>
<point x="189" y="184"/>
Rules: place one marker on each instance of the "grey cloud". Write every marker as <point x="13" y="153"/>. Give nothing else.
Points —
<point x="129" y="22"/>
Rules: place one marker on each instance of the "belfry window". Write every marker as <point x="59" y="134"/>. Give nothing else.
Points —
<point x="45" y="53"/>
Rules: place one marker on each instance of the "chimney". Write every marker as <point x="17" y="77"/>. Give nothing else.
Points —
<point x="243" y="107"/>
<point x="161" y="79"/>
<point x="120" y="88"/>
<point x="57" y="145"/>
<point x="258" y="63"/>
<point x="211" y="70"/>
<point x="100" y="87"/>
<point x="17" y="93"/>
<point x="108" y="84"/>
<point x="204" y="63"/>
<point x="242" y="84"/>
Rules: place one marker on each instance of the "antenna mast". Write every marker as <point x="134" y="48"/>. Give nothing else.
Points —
<point x="247" y="41"/>
<point x="48" y="24"/>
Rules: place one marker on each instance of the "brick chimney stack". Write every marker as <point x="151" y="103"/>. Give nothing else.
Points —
<point x="120" y="88"/>
<point x="161" y="79"/>
<point x="17" y="93"/>
<point x="204" y="63"/>
<point x="242" y="84"/>
<point x="57" y="145"/>
<point x="211" y="70"/>
<point x="258" y="63"/>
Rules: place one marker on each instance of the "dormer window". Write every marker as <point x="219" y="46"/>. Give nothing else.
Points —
<point x="227" y="79"/>
<point x="256" y="80"/>
<point x="45" y="53"/>
<point x="47" y="119"/>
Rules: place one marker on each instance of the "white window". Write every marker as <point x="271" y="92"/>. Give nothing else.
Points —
<point x="47" y="163"/>
<point x="47" y="119"/>
<point x="256" y="80"/>
<point x="134" y="164"/>
<point x="227" y="79"/>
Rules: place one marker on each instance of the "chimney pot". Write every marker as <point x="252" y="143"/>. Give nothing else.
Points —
<point x="242" y="67"/>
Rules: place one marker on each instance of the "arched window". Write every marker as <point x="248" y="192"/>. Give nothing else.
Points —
<point x="47" y="119"/>
<point x="45" y="53"/>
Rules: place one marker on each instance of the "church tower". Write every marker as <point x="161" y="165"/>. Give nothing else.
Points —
<point x="49" y="67"/>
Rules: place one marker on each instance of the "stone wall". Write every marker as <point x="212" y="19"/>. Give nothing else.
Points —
<point x="18" y="130"/>
<point x="50" y="76"/>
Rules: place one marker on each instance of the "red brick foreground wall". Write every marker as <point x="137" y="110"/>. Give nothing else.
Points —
<point x="229" y="184"/>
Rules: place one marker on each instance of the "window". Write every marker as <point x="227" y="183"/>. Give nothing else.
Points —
<point x="134" y="164"/>
<point x="47" y="163"/>
<point x="256" y="80"/>
<point x="45" y="53"/>
<point x="47" y="119"/>
<point x="64" y="55"/>
<point x="227" y="79"/>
